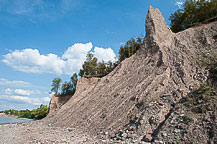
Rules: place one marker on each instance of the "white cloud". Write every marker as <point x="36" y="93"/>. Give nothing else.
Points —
<point x="26" y="92"/>
<point x="6" y="82"/>
<point x="30" y="60"/>
<point x="23" y="92"/>
<point x="74" y="57"/>
<point x="104" y="54"/>
<point x="30" y="100"/>
<point x="8" y="91"/>
<point x="77" y="50"/>
<point x="6" y="106"/>
<point x="179" y="3"/>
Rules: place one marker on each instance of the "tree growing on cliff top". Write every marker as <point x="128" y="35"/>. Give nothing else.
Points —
<point x="93" y="68"/>
<point x="68" y="88"/>
<point x="74" y="80"/>
<point x="89" y="66"/>
<point x="130" y="47"/>
<point x="194" y="11"/>
<point x="56" y="85"/>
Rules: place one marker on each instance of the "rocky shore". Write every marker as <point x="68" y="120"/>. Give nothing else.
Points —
<point x="39" y="133"/>
<point x="153" y="97"/>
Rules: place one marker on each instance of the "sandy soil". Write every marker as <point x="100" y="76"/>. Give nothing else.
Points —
<point x="38" y="133"/>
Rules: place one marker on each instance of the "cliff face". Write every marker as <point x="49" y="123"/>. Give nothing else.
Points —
<point x="57" y="101"/>
<point x="141" y="92"/>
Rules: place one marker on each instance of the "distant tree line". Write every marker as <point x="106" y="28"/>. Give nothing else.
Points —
<point x="37" y="114"/>
<point x="194" y="11"/>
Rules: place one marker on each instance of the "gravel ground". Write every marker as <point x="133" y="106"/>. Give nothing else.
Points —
<point x="38" y="133"/>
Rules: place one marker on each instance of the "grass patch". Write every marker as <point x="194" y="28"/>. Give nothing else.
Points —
<point x="187" y="119"/>
<point x="202" y="99"/>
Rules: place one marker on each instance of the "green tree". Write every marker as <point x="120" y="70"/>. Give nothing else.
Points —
<point x="24" y="114"/>
<point x="68" y="88"/>
<point x="74" y="79"/>
<point x="39" y="113"/>
<point x="93" y="68"/>
<point x="56" y="85"/>
<point x="121" y="54"/>
<point x="89" y="68"/>
<point x="101" y="68"/>
<point x="130" y="47"/>
<point x="193" y="11"/>
<point x="65" y="87"/>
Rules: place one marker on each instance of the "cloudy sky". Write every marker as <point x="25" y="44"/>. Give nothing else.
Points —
<point x="44" y="39"/>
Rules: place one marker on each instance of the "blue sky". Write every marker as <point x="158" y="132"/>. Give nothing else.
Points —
<point x="43" y="39"/>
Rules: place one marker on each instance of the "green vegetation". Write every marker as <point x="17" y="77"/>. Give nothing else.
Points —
<point x="194" y="11"/>
<point x="130" y="47"/>
<point x="202" y="99"/>
<point x="56" y="85"/>
<point x="68" y="88"/>
<point x="89" y="68"/>
<point x="210" y="62"/>
<point x="205" y="98"/>
<point x="187" y="119"/>
<point x="93" y="68"/>
<point x="37" y="114"/>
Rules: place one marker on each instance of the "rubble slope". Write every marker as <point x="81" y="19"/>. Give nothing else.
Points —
<point x="144" y="88"/>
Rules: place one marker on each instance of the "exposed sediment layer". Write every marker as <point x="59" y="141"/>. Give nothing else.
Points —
<point x="163" y="67"/>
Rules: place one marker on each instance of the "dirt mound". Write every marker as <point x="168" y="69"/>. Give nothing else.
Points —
<point x="141" y="92"/>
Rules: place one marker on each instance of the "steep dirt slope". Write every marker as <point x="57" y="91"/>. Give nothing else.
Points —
<point x="57" y="101"/>
<point x="144" y="88"/>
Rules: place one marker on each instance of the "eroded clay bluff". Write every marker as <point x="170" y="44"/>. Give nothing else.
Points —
<point x="136" y="101"/>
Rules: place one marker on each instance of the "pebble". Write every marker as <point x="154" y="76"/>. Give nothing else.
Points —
<point x="164" y="134"/>
<point x="181" y="115"/>
<point x="124" y="135"/>
<point x="69" y="129"/>
<point x="41" y="134"/>
<point x="176" y="131"/>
